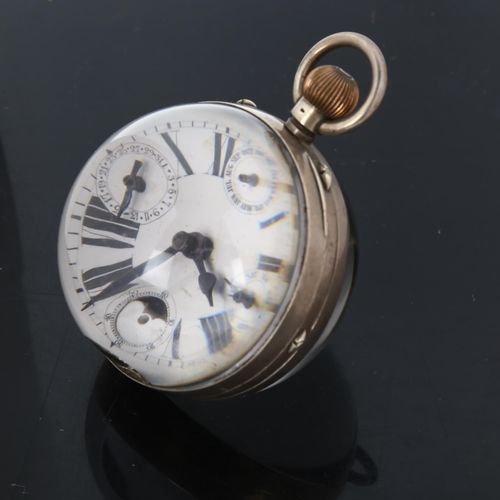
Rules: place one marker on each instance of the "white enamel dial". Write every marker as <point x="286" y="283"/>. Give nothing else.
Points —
<point x="195" y="273"/>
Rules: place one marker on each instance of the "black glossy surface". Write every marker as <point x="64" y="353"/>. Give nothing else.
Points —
<point x="419" y="343"/>
<point x="287" y="442"/>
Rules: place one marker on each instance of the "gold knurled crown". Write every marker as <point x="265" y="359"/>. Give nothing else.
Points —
<point x="334" y="92"/>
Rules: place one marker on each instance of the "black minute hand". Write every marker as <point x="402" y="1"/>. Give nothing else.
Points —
<point x="119" y="284"/>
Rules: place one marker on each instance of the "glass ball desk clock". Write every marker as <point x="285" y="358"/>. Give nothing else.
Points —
<point x="205" y="248"/>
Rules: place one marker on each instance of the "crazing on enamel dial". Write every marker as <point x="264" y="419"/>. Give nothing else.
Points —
<point x="183" y="236"/>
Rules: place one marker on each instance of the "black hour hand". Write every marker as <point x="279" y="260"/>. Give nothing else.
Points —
<point x="207" y="281"/>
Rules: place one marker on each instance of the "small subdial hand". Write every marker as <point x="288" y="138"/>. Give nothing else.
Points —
<point x="251" y="179"/>
<point x="240" y="296"/>
<point x="132" y="183"/>
<point x="197" y="247"/>
<point x="123" y="283"/>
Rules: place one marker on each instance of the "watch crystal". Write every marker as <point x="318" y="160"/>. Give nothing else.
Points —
<point x="181" y="242"/>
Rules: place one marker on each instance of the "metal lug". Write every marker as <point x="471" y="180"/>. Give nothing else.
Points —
<point x="246" y="102"/>
<point x="326" y="177"/>
<point x="298" y="341"/>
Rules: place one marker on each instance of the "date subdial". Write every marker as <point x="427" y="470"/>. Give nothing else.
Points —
<point x="140" y="320"/>
<point x="250" y="180"/>
<point x="135" y="181"/>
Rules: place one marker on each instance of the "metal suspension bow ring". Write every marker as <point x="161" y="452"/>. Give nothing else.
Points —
<point x="326" y="96"/>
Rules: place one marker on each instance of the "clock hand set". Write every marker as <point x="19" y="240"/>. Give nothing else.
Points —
<point x="192" y="245"/>
<point x="197" y="247"/>
<point x="133" y="183"/>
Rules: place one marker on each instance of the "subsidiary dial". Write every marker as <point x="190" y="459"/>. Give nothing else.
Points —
<point x="135" y="181"/>
<point x="140" y="320"/>
<point x="253" y="298"/>
<point x="250" y="179"/>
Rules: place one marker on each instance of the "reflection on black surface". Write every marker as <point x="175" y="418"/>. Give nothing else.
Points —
<point x="274" y="444"/>
<point x="19" y="388"/>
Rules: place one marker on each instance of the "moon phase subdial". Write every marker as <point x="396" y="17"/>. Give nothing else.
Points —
<point x="140" y="320"/>
<point x="250" y="179"/>
<point x="139" y="173"/>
